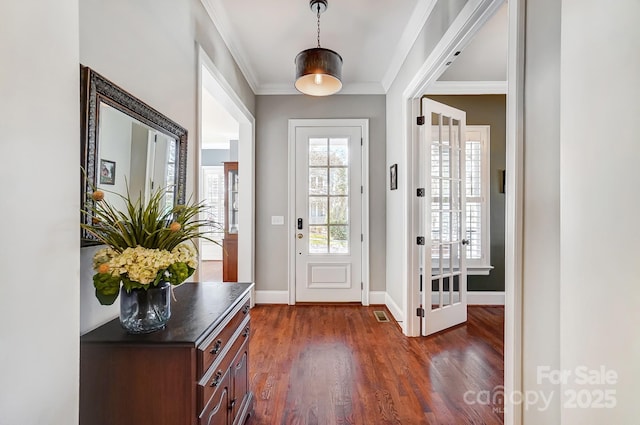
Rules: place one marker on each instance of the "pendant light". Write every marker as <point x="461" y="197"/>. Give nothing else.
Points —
<point x="318" y="70"/>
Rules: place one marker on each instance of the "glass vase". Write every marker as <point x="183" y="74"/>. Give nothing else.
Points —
<point x="145" y="311"/>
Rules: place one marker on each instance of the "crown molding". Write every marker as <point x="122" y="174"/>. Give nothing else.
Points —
<point x="221" y="21"/>
<point x="467" y="87"/>
<point x="412" y="30"/>
<point x="349" y="88"/>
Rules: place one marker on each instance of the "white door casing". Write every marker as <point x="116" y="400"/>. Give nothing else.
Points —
<point x="442" y="217"/>
<point x="328" y="225"/>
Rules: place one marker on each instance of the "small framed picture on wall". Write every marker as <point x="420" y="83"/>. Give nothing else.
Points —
<point x="107" y="172"/>
<point x="393" y="177"/>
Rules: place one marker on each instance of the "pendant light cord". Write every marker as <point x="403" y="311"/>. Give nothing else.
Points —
<point x="318" y="16"/>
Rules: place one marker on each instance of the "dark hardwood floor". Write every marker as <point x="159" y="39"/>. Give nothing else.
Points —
<point x="324" y="365"/>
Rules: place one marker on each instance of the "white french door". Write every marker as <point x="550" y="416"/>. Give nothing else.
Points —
<point x="442" y="217"/>
<point x="327" y="219"/>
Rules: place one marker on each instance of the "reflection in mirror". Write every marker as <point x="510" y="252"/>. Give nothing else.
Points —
<point x="126" y="142"/>
<point x="135" y="155"/>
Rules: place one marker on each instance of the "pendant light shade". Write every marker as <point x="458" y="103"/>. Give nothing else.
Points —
<point x="318" y="70"/>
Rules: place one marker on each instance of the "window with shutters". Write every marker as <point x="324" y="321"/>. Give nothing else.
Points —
<point x="477" y="199"/>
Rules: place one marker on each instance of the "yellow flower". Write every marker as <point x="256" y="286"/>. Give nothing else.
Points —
<point x="103" y="268"/>
<point x="175" y="226"/>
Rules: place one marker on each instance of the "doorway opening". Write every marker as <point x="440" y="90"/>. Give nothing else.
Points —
<point x="462" y="31"/>
<point x="225" y="183"/>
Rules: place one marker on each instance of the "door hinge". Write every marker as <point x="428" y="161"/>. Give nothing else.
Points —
<point x="420" y="240"/>
<point x="420" y="312"/>
<point x="420" y="120"/>
<point x="420" y="192"/>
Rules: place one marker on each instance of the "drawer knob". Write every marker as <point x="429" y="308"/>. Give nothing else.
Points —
<point x="216" y="380"/>
<point x="216" y="347"/>
<point x="245" y="310"/>
<point x="246" y="332"/>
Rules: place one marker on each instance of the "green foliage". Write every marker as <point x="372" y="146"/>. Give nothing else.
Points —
<point x="149" y="225"/>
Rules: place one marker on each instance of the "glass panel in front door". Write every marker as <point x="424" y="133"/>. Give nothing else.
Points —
<point x="328" y="195"/>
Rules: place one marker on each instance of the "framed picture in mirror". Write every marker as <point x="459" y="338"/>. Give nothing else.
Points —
<point x="107" y="172"/>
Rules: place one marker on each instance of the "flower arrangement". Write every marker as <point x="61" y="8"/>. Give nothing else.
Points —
<point x="147" y="244"/>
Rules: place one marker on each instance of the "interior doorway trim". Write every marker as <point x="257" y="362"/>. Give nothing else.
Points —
<point x="469" y="21"/>
<point x="363" y="123"/>
<point x="210" y="77"/>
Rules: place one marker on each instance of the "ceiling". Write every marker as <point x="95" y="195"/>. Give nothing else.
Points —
<point x="373" y="39"/>
<point x="372" y="36"/>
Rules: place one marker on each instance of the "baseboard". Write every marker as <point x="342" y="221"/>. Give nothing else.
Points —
<point x="474" y="298"/>
<point x="377" y="297"/>
<point x="395" y="310"/>
<point x="485" y="297"/>
<point x="272" y="297"/>
<point x="382" y="298"/>
<point x="282" y="297"/>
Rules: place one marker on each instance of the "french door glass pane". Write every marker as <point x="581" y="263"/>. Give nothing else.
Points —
<point x="318" y="155"/>
<point x="317" y="181"/>
<point x="339" y="210"/>
<point x="318" y="240"/>
<point x="339" y="151"/>
<point x="339" y="178"/>
<point x="339" y="239"/>
<point x="317" y="210"/>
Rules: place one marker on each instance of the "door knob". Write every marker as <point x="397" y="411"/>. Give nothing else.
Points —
<point x="299" y="235"/>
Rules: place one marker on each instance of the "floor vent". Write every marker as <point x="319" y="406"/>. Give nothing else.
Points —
<point x="381" y="316"/>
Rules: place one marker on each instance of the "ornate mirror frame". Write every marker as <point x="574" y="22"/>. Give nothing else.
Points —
<point x="94" y="88"/>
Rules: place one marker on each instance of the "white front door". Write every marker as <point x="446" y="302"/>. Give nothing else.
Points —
<point x="442" y="217"/>
<point x="327" y="222"/>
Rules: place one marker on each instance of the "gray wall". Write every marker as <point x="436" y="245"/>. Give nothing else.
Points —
<point x="489" y="110"/>
<point x="213" y="157"/>
<point x="272" y="115"/>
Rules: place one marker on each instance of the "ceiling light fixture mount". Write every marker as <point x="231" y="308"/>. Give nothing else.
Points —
<point x="318" y="70"/>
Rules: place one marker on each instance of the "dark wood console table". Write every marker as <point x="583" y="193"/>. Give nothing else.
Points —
<point x="193" y="372"/>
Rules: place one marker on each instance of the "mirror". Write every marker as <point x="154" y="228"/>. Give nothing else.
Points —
<point x="126" y="142"/>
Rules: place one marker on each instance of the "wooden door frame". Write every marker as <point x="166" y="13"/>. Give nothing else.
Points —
<point x="363" y="123"/>
<point x="469" y="21"/>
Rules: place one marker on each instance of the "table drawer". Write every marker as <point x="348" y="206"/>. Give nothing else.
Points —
<point x="214" y="378"/>
<point x="215" y="344"/>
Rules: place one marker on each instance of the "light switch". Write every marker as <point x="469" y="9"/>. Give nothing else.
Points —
<point x="277" y="220"/>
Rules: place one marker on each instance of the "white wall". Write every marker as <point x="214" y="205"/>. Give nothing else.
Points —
<point x="441" y="18"/>
<point x="273" y="113"/>
<point x="600" y="199"/>
<point x="582" y="241"/>
<point x="150" y="49"/>
<point x="40" y="204"/>
<point x="541" y="265"/>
